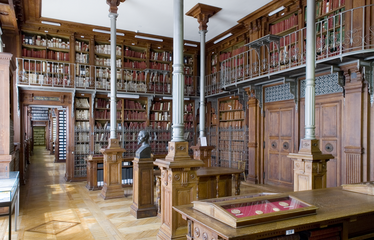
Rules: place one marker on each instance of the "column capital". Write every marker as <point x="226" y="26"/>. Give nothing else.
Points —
<point x="202" y="13"/>
<point x="113" y="5"/>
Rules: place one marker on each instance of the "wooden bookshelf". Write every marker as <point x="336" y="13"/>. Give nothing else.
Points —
<point x="82" y="134"/>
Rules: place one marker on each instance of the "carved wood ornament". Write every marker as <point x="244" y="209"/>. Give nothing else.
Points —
<point x="113" y="4"/>
<point x="202" y="13"/>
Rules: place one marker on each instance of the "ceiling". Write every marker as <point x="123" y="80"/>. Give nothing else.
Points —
<point x="151" y="16"/>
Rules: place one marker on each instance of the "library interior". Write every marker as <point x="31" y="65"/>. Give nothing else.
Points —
<point x="198" y="120"/>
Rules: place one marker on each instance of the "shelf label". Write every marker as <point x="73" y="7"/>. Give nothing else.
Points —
<point x="289" y="232"/>
<point x="41" y="98"/>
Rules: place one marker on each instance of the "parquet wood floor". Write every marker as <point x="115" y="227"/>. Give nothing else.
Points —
<point x="51" y="208"/>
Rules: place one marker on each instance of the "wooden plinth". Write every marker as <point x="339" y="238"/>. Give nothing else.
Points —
<point x="309" y="166"/>
<point x="203" y="153"/>
<point x="143" y="196"/>
<point x="179" y="183"/>
<point x="112" y="170"/>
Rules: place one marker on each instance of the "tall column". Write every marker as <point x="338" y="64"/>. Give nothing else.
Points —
<point x="202" y="82"/>
<point x="178" y="77"/>
<point x="113" y="153"/>
<point x="178" y="171"/>
<point x="202" y="13"/>
<point x="113" y="75"/>
<point x="309" y="163"/>
<point x="310" y="72"/>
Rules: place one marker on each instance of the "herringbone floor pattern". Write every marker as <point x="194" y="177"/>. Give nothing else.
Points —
<point x="51" y="208"/>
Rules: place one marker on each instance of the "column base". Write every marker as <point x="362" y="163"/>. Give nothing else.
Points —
<point x="309" y="166"/>
<point x="143" y="212"/>
<point x="112" y="191"/>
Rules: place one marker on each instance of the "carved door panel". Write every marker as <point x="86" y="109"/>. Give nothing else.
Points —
<point x="279" y="132"/>
<point x="328" y="131"/>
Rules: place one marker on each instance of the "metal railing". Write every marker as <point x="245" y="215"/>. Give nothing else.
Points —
<point x="337" y="36"/>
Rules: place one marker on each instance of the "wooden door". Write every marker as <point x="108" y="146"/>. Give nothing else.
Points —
<point x="328" y="131"/>
<point x="279" y="137"/>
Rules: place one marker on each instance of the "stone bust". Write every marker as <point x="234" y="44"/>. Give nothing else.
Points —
<point x="145" y="149"/>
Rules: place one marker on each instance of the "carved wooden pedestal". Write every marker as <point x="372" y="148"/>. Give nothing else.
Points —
<point x="203" y="153"/>
<point x="179" y="183"/>
<point x="143" y="196"/>
<point x="112" y="170"/>
<point x="309" y="166"/>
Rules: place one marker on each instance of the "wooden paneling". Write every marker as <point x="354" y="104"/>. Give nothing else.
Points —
<point x="279" y="137"/>
<point x="328" y="115"/>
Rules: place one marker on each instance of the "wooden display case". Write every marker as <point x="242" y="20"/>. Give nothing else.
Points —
<point x="246" y="211"/>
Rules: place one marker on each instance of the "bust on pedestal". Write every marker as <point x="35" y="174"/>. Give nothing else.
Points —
<point x="143" y="195"/>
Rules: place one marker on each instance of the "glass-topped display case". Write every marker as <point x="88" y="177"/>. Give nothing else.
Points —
<point x="250" y="210"/>
<point x="8" y="185"/>
<point x="9" y="196"/>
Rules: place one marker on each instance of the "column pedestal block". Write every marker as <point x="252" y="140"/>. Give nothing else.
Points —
<point x="309" y="166"/>
<point x="112" y="170"/>
<point x="203" y="153"/>
<point x="179" y="183"/>
<point x="143" y="194"/>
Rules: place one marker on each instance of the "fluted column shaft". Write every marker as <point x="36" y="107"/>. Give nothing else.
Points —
<point x="178" y="76"/>
<point x="113" y="76"/>
<point x="202" y="83"/>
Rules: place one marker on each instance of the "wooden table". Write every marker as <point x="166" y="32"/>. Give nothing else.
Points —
<point x="213" y="182"/>
<point x="346" y="214"/>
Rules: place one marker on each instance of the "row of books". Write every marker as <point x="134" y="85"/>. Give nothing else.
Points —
<point x="232" y="115"/>
<point x="161" y="56"/>
<point x="82" y="58"/>
<point x="188" y="80"/>
<point x="82" y="103"/>
<point x="234" y="62"/>
<point x="188" y="70"/>
<point x="231" y="105"/>
<point x="160" y="125"/>
<point x="234" y="135"/>
<point x="284" y="25"/>
<point x="160" y="116"/>
<point x="160" y="66"/>
<point x="233" y="124"/>
<point x="162" y="78"/>
<point x="224" y="56"/>
<point x="188" y="107"/>
<point x="127" y="176"/>
<point x="188" y="60"/>
<point x="159" y="88"/>
<point x="164" y="106"/>
<point x="105" y="114"/>
<point x="60" y="56"/>
<point x="331" y="22"/>
<point x="106" y="62"/>
<point x="225" y="155"/>
<point x="42" y="79"/>
<point x="188" y="117"/>
<point x="129" y="104"/>
<point x="82" y="149"/>
<point x="45" y="67"/>
<point x="81" y="46"/>
<point x="159" y="147"/>
<point x="80" y="171"/>
<point x="82" y="126"/>
<point x="135" y="125"/>
<point x="135" y="115"/>
<point x="134" y="76"/>
<point x="161" y="136"/>
<point x="132" y="86"/>
<point x="135" y="54"/>
<point x="188" y="126"/>
<point x="105" y="49"/>
<point x="53" y="42"/>
<point x="82" y="115"/>
<point x="135" y="64"/>
<point x="325" y="6"/>
<point x="105" y="103"/>
<point x="285" y="41"/>
<point x="82" y="136"/>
